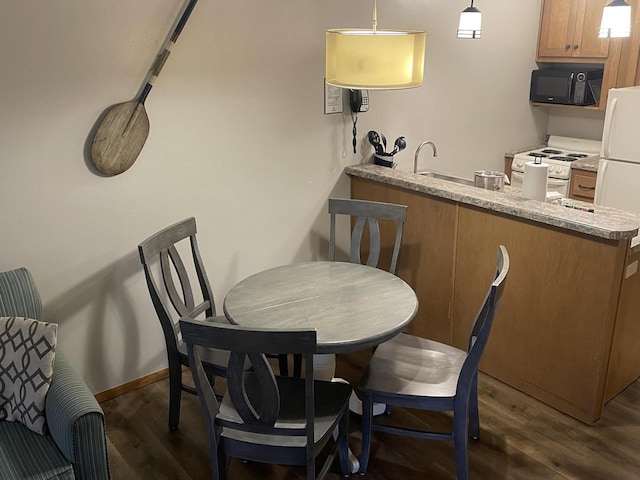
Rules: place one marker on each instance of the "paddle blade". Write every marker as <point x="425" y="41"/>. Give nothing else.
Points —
<point x="120" y="137"/>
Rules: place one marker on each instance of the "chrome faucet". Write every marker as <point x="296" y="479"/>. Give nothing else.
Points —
<point x="415" y="159"/>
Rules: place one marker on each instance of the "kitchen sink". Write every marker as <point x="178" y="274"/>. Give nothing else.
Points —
<point x="447" y="177"/>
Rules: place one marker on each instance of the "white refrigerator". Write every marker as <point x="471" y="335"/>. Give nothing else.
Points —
<point x="618" y="180"/>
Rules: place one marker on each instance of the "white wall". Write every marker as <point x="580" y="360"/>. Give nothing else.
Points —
<point x="238" y="139"/>
<point x="577" y="123"/>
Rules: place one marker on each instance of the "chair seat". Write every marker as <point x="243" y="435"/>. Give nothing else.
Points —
<point x="332" y="398"/>
<point x="413" y="366"/>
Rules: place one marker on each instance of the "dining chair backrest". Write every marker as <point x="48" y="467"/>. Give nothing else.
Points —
<point x="482" y="324"/>
<point x="368" y="213"/>
<point x="176" y="281"/>
<point x="254" y="345"/>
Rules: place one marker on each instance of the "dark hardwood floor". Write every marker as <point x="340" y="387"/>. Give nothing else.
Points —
<point x="521" y="439"/>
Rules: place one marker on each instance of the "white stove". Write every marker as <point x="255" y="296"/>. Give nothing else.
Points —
<point x="559" y="153"/>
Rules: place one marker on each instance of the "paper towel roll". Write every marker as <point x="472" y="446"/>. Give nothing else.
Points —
<point x="534" y="183"/>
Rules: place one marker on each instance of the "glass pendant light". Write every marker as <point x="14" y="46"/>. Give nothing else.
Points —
<point x="470" y="25"/>
<point x="616" y="20"/>
<point x="375" y="59"/>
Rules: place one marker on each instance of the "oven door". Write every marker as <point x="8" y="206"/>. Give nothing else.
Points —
<point x="558" y="185"/>
<point x="553" y="184"/>
<point x="516" y="179"/>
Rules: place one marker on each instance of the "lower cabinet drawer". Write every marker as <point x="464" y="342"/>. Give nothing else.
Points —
<point x="583" y="185"/>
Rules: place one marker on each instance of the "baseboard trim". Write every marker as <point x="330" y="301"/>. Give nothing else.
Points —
<point x="132" y="385"/>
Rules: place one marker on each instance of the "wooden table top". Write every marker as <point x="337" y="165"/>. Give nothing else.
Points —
<point x="351" y="306"/>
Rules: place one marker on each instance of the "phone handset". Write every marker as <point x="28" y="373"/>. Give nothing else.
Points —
<point x="359" y="102"/>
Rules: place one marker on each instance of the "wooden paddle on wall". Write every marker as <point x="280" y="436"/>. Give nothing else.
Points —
<point x="124" y="129"/>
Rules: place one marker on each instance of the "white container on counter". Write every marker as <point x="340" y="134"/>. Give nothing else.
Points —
<point x="534" y="182"/>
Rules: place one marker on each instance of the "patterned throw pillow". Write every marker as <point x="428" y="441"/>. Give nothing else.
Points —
<point x="27" y="352"/>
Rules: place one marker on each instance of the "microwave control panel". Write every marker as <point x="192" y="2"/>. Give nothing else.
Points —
<point x="580" y="89"/>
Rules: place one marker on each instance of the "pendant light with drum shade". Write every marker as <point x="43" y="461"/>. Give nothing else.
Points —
<point x="470" y="25"/>
<point x="616" y="20"/>
<point x="374" y="59"/>
<point x="361" y="59"/>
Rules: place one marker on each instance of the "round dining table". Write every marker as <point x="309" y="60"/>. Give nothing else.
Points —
<point x="351" y="306"/>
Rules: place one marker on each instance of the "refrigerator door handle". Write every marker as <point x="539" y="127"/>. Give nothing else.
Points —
<point x="602" y="172"/>
<point x="606" y="135"/>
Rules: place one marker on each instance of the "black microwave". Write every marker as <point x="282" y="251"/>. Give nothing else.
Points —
<point x="566" y="86"/>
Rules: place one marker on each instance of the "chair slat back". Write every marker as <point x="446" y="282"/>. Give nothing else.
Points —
<point x="257" y="402"/>
<point x="183" y="302"/>
<point x="367" y="213"/>
<point x="176" y="284"/>
<point x="251" y="414"/>
<point x="484" y="320"/>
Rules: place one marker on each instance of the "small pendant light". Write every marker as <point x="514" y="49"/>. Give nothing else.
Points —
<point x="470" y="25"/>
<point x="616" y="20"/>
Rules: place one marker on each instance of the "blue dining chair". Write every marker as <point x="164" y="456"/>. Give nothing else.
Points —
<point x="414" y="372"/>
<point x="173" y="296"/>
<point x="263" y="417"/>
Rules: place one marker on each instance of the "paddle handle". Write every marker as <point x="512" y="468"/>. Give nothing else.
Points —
<point x="162" y="58"/>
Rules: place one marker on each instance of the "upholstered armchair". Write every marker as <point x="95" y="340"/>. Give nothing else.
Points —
<point x="75" y="446"/>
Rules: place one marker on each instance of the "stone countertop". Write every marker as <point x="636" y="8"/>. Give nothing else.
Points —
<point x="605" y="222"/>
<point x="589" y="164"/>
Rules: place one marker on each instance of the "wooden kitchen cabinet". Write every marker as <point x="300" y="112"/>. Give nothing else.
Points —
<point x="583" y="185"/>
<point x="552" y="335"/>
<point x="624" y="363"/>
<point x="568" y="34"/>
<point x="629" y="67"/>
<point x="569" y="29"/>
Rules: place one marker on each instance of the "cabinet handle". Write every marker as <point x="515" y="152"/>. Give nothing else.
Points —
<point x="567" y="46"/>
<point x="575" y="47"/>
<point x="582" y="187"/>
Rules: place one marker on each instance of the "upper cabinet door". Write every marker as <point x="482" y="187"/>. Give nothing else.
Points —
<point x="569" y="29"/>
<point x="587" y="26"/>
<point x="557" y="28"/>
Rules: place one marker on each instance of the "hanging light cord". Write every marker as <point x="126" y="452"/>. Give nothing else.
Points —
<point x="354" y="115"/>
<point x="374" y="21"/>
